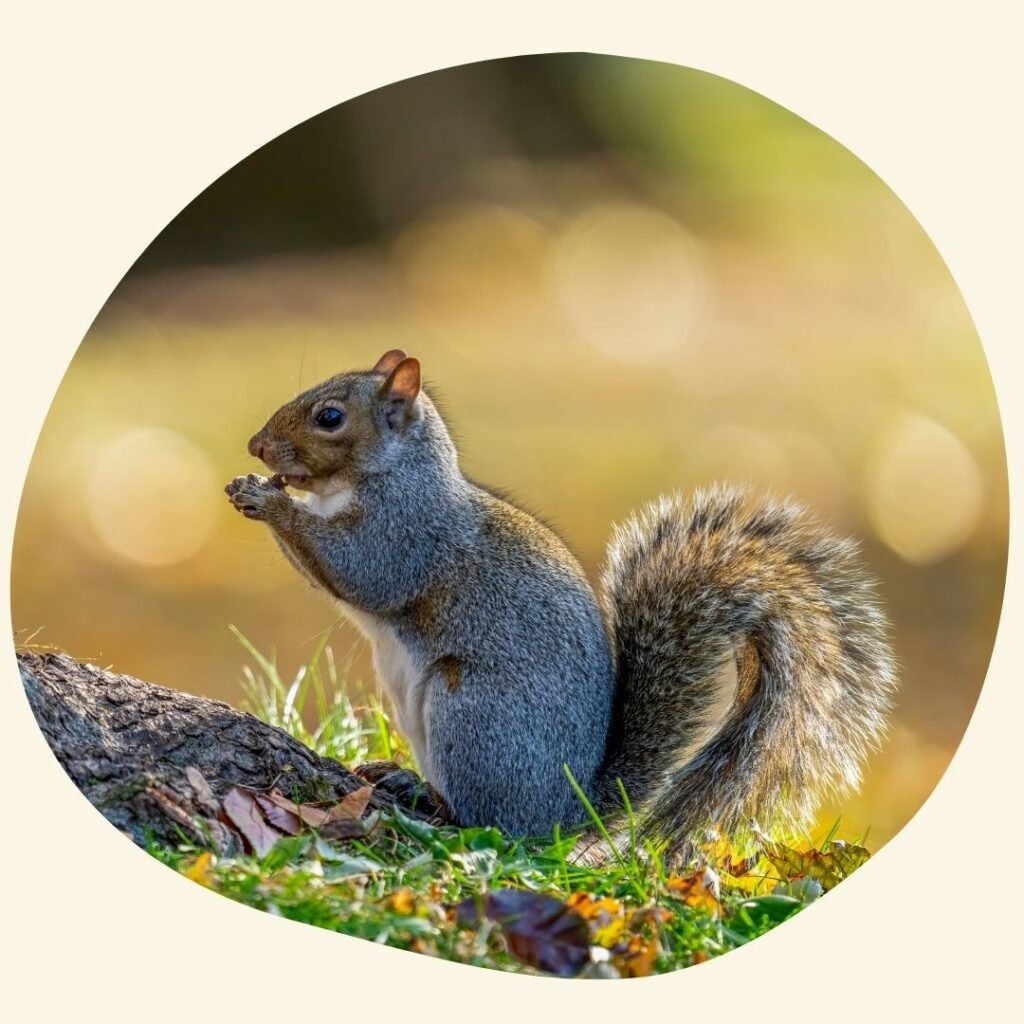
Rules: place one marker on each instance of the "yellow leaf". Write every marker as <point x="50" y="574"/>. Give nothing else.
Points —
<point x="829" y="867"/>
<point x="199" y="871"/>
<point x="593" y="907"/>
<point x="699" y="890"/>
<point x="609" y="934"/>
<point x="639" y="958"/>
<point x="606" y="916"/>
<point x="402" y="901"/>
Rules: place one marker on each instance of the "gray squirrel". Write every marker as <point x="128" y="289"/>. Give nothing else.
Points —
<point x="735" y="667"/>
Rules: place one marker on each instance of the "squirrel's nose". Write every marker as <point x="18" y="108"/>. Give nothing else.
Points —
<point x="256" y="446"/>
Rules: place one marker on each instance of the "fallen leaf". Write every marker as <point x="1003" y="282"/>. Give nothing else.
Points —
<point x="342" y="827"/>
<point x="200" y="871"/>
<point x="828" y="867"/>
<point x="606" y="917"/>
<point x="203" y="791"/>
<point x="643" y="916"/>
<point x="723" y="857"/>
<point x="540" y="930"/>
<point x="243" y="812"/>
<point x="700" y="890"/>
<point x="353" y="804"/>
<point x="344" y="820"/>
<point x="639" y="956"/>
<point x="594" y="908"/>
<point x="179" y="809"/>
<point x="309" y="814"/>
<point x="280" y="817"/>
<point x="402" y="901"/>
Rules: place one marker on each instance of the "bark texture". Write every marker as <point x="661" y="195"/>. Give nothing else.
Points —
<point x="128" y="745"/>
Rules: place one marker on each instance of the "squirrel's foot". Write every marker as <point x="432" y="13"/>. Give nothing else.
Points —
<point x="407" y="788"/>
<point x="257" y="497"/>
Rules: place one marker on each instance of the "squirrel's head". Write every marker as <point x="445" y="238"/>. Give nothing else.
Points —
<point x="336" y="432"/>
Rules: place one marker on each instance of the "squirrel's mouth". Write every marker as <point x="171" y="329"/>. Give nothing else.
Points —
<point x="291" y="474"/>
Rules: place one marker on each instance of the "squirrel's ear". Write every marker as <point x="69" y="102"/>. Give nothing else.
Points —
<point x="399" y="392"/>
<point x="389" y="361"/>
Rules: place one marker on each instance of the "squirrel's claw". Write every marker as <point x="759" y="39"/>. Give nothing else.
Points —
<point x="407" y="788"/>
<point x="251" y="494"/>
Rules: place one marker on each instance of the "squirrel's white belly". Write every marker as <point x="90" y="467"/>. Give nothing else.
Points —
<point x="400" y="672"/>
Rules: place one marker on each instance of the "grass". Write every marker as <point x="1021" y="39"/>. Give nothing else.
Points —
<point x="399" y="884"/>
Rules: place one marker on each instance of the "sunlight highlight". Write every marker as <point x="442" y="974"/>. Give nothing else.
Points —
<point x="153" y="497"/>
<point x="923" y="489"/>
<point x="631" y="280"/>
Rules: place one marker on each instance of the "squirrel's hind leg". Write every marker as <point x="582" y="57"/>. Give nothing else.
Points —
<point x="409" y="791"/>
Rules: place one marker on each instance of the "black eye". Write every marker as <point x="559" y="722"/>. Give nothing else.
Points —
<point x="330" y="418"/>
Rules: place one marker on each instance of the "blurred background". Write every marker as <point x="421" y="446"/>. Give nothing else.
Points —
<point x="623" y="278"/>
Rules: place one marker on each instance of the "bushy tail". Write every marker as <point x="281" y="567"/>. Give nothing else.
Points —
<point x="754" y="668"/>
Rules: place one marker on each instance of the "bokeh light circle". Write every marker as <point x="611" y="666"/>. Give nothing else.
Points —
<point x="151" y="497"/>
<point x="924" y="491"/>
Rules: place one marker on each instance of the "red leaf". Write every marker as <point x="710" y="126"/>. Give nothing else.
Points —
<point x="280" y="817"/>
<point x="540" y="930"/>
<point x="243" y="812"/>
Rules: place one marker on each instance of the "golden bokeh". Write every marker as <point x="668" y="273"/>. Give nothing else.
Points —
<point x="151" y="497"/>
<point x="630" y="281"/>
<point x="623" y="279"/>
<point x="924" y="491"/>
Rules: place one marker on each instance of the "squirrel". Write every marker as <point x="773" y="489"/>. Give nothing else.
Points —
<point x="735" y="668"/>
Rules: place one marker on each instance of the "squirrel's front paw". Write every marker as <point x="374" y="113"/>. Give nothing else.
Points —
<point x="255" y="496"/>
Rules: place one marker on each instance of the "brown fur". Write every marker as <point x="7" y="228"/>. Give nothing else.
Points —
<point x="450" y="671"/>
<point x="688" y="584"/>
<point x="292" y="444"/>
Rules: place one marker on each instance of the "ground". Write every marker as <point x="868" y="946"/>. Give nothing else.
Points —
<point x="477" y="896"/>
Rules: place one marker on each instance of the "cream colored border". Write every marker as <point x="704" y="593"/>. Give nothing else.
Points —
<point x="118" y="114"/>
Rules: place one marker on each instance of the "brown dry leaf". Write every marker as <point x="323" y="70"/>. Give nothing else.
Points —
<point x="639" y="956"/>
<point x="179" y="809"/>
<point x="344" y="820"/>
<point x="280" y="817"/>
<point x="309" y="814"/>
<point x="202" y="789"/>
<point x="700" y="890"/>
<point x="636" y="956"/>
<point x="354" y="804"/>
<point x="725" y="859"/>
<point x="199" y="871"/>
<point x="241" y="809"/>
<point x="828" y="868"/>
<point x="343" y="827"/>
<point x="649" y="915"/>
<point x="738" y="869"/>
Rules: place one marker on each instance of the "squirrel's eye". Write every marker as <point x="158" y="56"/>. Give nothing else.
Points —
<point x="330" y="418"/>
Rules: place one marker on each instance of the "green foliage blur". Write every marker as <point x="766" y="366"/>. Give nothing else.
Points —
<point x="622" y="278"/>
